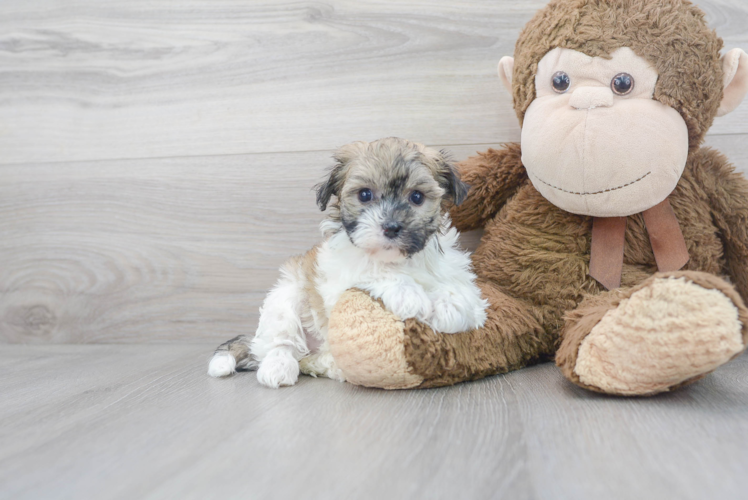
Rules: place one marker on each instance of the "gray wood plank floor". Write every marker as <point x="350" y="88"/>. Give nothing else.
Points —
<point x="129" y="422"/>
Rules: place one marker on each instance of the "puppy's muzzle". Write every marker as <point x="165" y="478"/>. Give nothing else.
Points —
<point x="391" y="229"/>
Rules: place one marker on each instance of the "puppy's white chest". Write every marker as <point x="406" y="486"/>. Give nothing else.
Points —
<point x="340" y="266"/>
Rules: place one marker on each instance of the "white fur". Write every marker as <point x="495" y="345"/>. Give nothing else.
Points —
<point x="221" y="365"/>
<point x="278" y="367"/>
<point x="409" y="287"/>
<point x="435" y="286"/>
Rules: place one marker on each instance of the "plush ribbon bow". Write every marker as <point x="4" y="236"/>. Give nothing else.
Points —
<point x="608" y="235"/>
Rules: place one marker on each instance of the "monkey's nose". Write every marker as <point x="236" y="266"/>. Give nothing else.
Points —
<point x="391" y="229"/>
<point x="591" y="98"/>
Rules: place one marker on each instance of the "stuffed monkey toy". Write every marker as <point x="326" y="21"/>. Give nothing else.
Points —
<point x="613" y="240"/>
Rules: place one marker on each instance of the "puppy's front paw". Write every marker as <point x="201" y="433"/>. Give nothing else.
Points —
<point x="321" y="364"/>
<point x="408" y="301"/>
<point x="455" y="313"/>
<point x="278" y="368"/>
<point x="446" y="318"/>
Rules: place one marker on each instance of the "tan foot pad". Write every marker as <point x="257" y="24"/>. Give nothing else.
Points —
<point x="661" y="336"/>
<point x="368" y="343"/>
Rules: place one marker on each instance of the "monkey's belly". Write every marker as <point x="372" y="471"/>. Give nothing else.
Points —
<point x="537" y="252"/>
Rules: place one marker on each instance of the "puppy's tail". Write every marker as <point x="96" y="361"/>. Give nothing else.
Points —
<point x="230" y="356"/>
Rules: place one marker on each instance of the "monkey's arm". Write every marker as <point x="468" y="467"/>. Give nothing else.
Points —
<point x="493" y="177"/>
<point x="728" y="194"/>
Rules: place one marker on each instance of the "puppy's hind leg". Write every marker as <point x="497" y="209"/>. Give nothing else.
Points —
<point x="280" y="342"/>
<point x="278" y="367"/>
<point x="231" y="356"/>
<point x="322" y="364"/>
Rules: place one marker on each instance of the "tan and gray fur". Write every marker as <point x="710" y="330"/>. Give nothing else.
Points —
<point x="387" y="232"/>
<point x="395" y="168"/>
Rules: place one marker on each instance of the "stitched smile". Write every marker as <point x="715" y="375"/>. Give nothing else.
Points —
<point x="596" y="192"/>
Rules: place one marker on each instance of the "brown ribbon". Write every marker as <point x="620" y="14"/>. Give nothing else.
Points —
<point x="608" y="235"/>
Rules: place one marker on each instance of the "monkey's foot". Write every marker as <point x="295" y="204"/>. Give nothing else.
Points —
<point x="368" y="343"/>
<point x="671" y="330"/>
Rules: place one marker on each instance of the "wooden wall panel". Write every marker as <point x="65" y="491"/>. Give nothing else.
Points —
<point x="150" y="250"/>
<point x="91" y="80"/>
<point x="157" y="157"/>
<point x="179" y="249"/>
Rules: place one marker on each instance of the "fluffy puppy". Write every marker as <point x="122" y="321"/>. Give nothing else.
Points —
<point x="387" y="233"/>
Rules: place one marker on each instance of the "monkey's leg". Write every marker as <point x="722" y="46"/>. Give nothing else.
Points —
<point x="672" y="329"/>
<point x="376" y="349"/>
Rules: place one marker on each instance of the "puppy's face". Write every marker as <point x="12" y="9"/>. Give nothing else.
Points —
<point x="391" y="195"/>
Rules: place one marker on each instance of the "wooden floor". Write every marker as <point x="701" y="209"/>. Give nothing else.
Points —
<point x="146" y="422"/>
<point x="156" y="166"/>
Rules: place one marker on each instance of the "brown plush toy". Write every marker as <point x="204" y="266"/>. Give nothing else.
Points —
<point x="613" y="240"/>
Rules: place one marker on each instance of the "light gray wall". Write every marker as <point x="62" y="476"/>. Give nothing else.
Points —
<point x="157" y="157"/>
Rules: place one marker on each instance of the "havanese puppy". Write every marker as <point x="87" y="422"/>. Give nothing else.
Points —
<point x="388" y="233"/>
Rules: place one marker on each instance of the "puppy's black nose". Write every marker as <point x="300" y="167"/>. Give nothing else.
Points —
<point x="391" y="229"/>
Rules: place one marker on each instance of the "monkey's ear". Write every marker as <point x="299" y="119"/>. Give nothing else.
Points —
<point x="449" y="178"/>
<point x="506" y="68"/>
<point x="735" y="66"/>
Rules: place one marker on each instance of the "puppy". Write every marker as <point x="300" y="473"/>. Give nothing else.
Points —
<point x="387" y="233"/>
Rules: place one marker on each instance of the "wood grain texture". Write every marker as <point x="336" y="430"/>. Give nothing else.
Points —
<point x="111" y="422"/>
<point x="156" y="165"/>
<point x="141" y="250"/>
<point x="183" y="248"/>
<point x="180" y="249"/>
<point x="89" y="80"/>
<point x="161" y="250"/>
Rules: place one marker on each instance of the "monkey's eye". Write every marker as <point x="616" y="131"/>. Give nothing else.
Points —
<point x="364" y="195"/>
<point x="560" y="82"/>
<point x="622" y="83"/>
<point x="416" y="197"/>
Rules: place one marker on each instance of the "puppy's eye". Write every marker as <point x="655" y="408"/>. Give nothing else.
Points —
<point x="560" y="82"/>
<point x="416" y="197"/>
<point x="364" y="195"/>
<point x="622" y="83"/>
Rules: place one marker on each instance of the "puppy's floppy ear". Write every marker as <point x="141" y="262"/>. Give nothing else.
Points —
<point x="325" y="190"/>
<point x="336" y="178"/>
<point x="449" y="178"/>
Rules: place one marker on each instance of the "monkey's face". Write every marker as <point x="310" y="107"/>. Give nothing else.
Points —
<point x="594" y="141"/>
